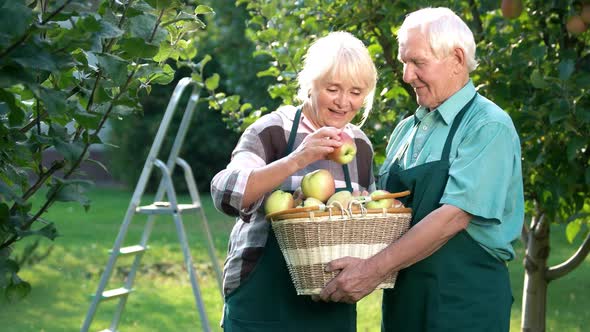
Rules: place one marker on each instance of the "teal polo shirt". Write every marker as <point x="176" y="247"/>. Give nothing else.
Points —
<point x="485" y="176"/>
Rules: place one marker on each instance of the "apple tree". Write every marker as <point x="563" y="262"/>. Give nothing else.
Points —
<point x="534" y="62"/>
<point x="66" y="68"/>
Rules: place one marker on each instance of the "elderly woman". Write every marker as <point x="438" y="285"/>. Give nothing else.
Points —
<point x="459" y="155"/>
<point x="338" y="79"/>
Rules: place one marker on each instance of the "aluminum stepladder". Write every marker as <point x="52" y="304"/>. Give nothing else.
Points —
<point x="170" y="207"/>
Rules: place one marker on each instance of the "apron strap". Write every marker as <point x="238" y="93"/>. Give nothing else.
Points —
<point x="293" y="133"/>
<point x="291" y="143"/>
<point x="456" y="123"/>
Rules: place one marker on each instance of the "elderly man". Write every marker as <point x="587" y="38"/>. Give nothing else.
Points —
<point x="459" y="155"/>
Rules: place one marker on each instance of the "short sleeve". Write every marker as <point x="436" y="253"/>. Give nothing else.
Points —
<point x="480" y="175"/>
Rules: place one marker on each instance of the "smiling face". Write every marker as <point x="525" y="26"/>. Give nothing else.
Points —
<point x="433" y="79"/>
<point x="335" y="102"/>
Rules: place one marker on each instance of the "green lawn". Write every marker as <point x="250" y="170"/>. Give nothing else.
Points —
<point x="163" y="298"/>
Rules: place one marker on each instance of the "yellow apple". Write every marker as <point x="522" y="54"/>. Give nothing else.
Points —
<point x="278" y="201"/>
<point x="318" y="184"/>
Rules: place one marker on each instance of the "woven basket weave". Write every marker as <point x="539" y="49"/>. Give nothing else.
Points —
<point x="309" y="240"/>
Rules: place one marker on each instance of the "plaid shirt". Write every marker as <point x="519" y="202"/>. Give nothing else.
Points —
<point x="262" y="143"/>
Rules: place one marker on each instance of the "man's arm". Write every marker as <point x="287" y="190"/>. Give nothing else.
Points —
<point x="359" y="277"/>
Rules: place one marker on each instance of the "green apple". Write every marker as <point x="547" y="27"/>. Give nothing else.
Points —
<point x="343" y="197"/>
<point x="382" y="203"/>
<point x="318" y="184"/>
<point x="346" y="152"/>
<point x="278" y="201"/>
<point x="310" y="201"/>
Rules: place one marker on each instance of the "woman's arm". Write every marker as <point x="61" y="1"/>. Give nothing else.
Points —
<point x="314" y="147"/>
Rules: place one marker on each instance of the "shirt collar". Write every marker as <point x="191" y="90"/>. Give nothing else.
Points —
<point x="452" y="106"/>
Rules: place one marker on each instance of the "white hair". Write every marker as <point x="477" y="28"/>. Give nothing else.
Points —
<point x="338" y="54"/>
<point x="444" y="30"/>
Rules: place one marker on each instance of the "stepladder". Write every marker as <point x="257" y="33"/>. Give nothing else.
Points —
<point x="165" y="205"/>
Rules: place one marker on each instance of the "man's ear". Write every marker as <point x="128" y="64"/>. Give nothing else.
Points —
<point x="459" y="58"/>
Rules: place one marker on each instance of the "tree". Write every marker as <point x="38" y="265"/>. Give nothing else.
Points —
<point x="533" y="64"/>
<point x="66" y="67"/>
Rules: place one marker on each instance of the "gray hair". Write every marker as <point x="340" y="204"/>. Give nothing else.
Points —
<point x="338" y="54"/>
<point x="444" y="30"/>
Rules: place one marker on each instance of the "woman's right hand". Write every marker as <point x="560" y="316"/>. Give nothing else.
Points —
<point x="316" y="146"/>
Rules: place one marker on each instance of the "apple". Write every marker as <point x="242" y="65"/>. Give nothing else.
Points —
<point x="344" y="153"/>
<point x="311" y="201"/>
<point x="511" y="8"/>
<point x="585" y="14"/>
<point x="318" y="184"/>
<point x="382" y="203"/>
<point x="343" y="197"/>
<point x="575" y="25"/>
<point x="278" y="201"/>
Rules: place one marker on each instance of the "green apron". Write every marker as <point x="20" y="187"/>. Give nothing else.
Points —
<point x="268" y="302"/>
<point x="460" y="287"/>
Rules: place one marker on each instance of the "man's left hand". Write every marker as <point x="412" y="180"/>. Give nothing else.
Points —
<point x="354" y="281"/>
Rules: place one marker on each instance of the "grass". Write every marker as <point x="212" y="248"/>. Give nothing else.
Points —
<point x="163" y="298"/>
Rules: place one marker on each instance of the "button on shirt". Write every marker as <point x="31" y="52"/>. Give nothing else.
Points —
<point x="485" y="176"/>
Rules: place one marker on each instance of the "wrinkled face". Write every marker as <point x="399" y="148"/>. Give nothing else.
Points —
<point x="432" y="79"/>
<point x="336" y="102"/>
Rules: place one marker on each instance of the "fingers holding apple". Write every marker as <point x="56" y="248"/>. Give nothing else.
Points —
<point x="346" y="152"/>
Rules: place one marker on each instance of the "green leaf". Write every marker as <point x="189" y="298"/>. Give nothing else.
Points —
<point x="212" y="82"/>
<point x="54" y="101"/>
<point x="137" y="48"/>
<point x="587" y="175"/>
<point x="49" y="231"/>
<point x="17" y="289"/>
<point x="37" y="57"/>
<point x="163" y="75"/>
<point x="72" y="191"/>
<point x="87" y="120"/>
<point x="113" y="67"/>
<point x="574" y="145"/>
<point x="230" y="104"/>
<point x="538" y="52"/>
<point x="108" y="30"/>
<point x="202" y="9"/>
<point x="70" y="151"/>
<point x="566" y="69"/>
<point x="272" y="71"/>
<point x="537" y="80"/>
<point x="571" y="230"/>
<point x="15" y="18"/>
<point x="142" y="26"/>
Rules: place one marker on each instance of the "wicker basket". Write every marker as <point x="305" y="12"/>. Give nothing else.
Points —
<point x="311" y="239"/>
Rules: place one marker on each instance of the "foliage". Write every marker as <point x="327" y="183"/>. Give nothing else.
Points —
<point x="209" y="143"/>
<point x="66" y="67"/>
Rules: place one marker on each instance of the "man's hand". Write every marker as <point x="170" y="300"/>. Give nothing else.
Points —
<point x="355" y="280"/>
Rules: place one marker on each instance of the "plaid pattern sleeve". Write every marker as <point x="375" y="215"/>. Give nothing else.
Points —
<point x="262" y="143"/>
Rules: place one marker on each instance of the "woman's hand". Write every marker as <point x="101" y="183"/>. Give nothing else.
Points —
<point x="316" y="146"/>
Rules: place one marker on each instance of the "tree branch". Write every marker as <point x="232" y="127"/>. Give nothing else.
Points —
<point x="476" y="20"/>
<point x="566" y="267"/>
<point x="27" y="34"/>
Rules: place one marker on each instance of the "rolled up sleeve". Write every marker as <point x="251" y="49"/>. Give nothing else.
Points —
<point x="228" y="186"/>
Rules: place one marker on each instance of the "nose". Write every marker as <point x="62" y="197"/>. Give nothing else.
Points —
<point x="409" y="73"/>
<point x="340" y="99"/>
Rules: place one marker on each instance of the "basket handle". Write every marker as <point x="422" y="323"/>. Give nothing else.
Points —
<point x="391" y="195"/>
